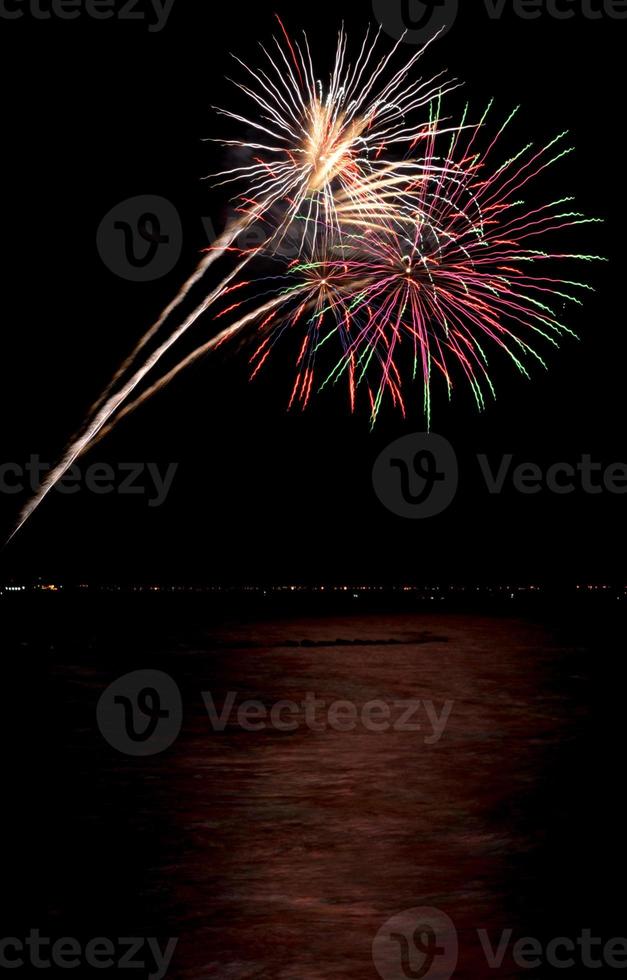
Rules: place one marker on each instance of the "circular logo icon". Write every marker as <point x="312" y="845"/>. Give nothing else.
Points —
<point x="420" y="943"/>
<point x="141" y="713"/>
<point x="416" y="21"/>
<point x="141" y="239"/>
<point x="416" y="476"/>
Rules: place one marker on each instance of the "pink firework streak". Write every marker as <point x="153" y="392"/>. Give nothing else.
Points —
<point x="389" y="231"/>
<point x="458" y="262"/>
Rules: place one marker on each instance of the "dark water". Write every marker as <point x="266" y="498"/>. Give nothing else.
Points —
<point x="280" y="854"/>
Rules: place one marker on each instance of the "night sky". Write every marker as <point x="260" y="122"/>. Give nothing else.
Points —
<point x="97" y="112"/>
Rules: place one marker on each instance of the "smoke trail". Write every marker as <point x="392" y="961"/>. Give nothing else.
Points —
<point x="189" y="360"/>
<point x="78" y="445"/>
<point x="216" y="252"/>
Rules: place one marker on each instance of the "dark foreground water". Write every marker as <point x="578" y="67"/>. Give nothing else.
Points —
<point x="281" y="854"/>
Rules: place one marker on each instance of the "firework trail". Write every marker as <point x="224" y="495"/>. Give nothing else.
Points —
<point x="222" y="244"/>
<point x="113" y="402"/>
<point x="395" y="241"/>
<point x="317" y="139"/>
<point x="313" y="138"/>
<point x="205" y="348"/>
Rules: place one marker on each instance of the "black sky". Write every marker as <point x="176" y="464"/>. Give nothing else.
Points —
<point x="98" y="112"/>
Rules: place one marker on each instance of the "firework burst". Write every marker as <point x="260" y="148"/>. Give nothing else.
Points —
<point x="468" y="265"/>
<point x="389" y="232"/>
<point x="315" y="138"/>
<point x="434" y="263"/>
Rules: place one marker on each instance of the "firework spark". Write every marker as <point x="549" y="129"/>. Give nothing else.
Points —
<point x="446" y="264"/>
<point x="389" y="230"/>
<point x="466" y="267"/>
